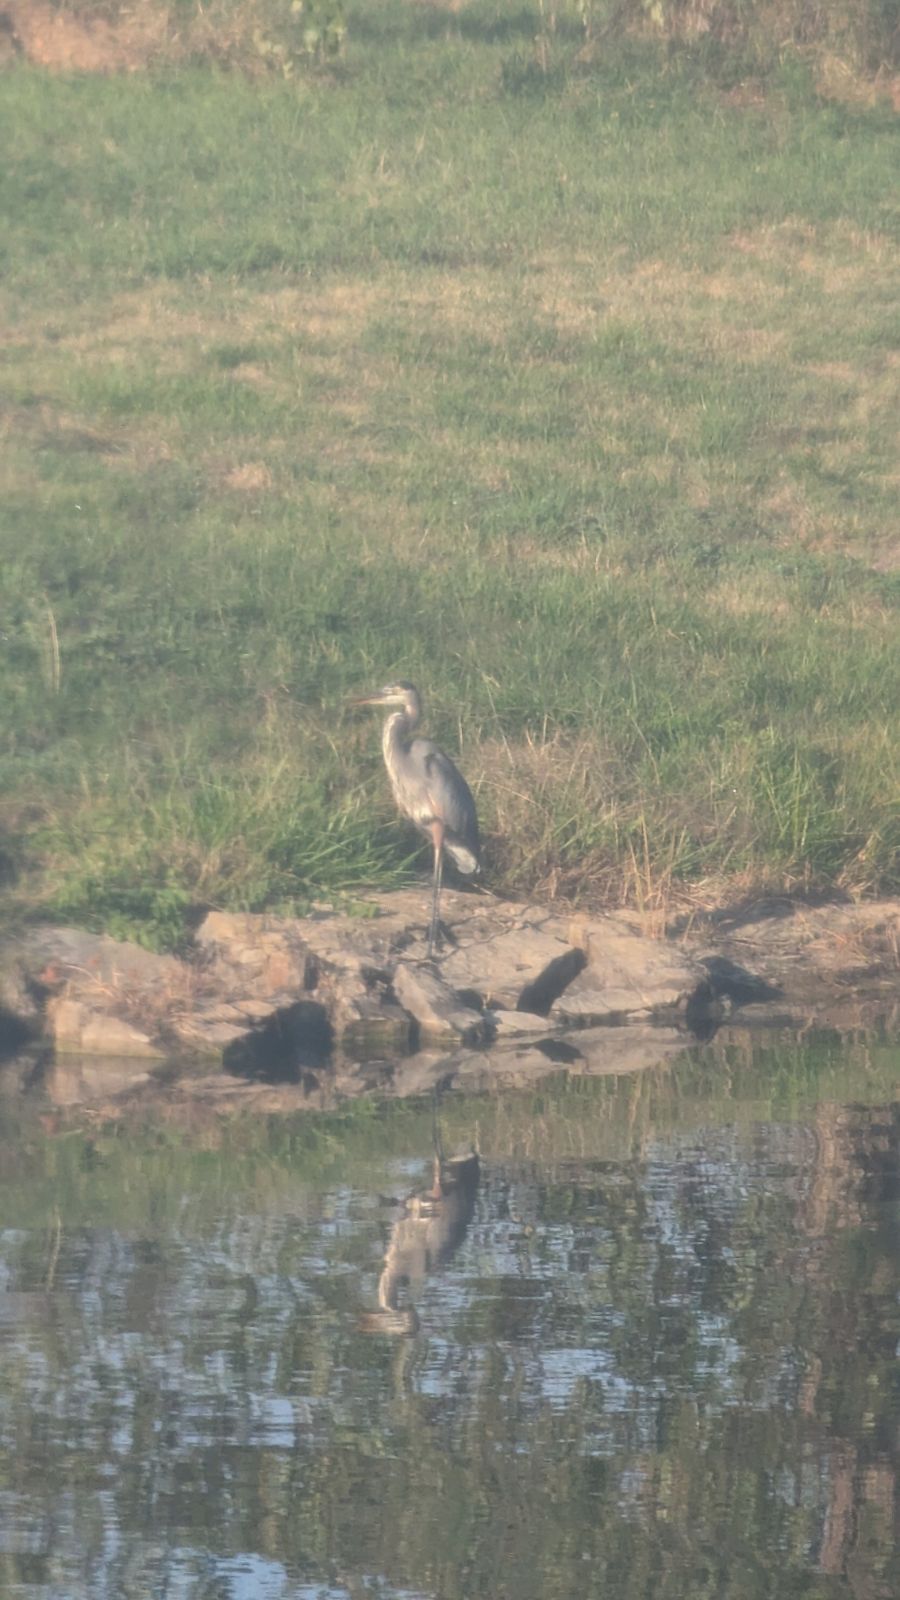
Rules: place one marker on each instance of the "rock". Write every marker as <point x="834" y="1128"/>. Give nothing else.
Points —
<point x="832" y="963"/>
<point x="288" y="952"/>
<point x="365" y="1023"/>
<point x="252" y="1010"/>
<point x="257" y="958"/>
<point x="734" y="983"/>
<point x="585" y="1002"/>
<point x="326" y="1003"/>
<point x="626" y="974"/>
<point x="20" y="1011"/>
<point x="510" y="1024"/>
<point x="437" y="1011"/>
<point x="832" y="934"/>
<point x="97" y="995"/>
<point x="51" y="958"/>
<point x="76" y="1027"/>
<point x="520" y="961"/>
<point x="264" y="960"/>
<point x="210" y="1033"/>
<point x="512" y="967"/>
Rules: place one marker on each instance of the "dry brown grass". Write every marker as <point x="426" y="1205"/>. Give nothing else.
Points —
<point x="63" y="40"/>
<point x="251" y="477"/>
<point x="113" y="36"/>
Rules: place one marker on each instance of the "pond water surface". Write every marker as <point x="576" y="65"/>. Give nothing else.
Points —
<point x="643" y="1344"/>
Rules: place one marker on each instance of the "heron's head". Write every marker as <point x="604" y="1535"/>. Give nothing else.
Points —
<point x="393" y="694"/>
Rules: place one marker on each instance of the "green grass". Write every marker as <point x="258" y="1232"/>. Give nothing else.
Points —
<point x="571" y="397"/>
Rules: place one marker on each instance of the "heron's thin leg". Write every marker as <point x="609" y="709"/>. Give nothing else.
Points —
<point x="436" y="1140"/>
<point x="438" y="1150"/>
<point x="437" y="834"/>
<point x="436" y="1191"/>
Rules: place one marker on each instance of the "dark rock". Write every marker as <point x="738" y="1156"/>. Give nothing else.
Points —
<point x="437" y="1010"/>
<point x="736" y="984"/>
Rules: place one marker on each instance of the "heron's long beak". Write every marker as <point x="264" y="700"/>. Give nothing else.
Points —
<point x="381" y="697"/>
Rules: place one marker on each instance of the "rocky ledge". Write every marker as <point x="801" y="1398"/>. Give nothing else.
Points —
<point x="265" y="996"/>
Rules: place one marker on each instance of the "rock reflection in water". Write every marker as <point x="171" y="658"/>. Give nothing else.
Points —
<point x="430" y="1228"/>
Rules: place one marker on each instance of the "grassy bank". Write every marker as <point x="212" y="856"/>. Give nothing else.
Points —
<point x="568" y="393"/>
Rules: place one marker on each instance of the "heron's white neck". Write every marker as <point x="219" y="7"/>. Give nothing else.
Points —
<point x="397" y="730"/>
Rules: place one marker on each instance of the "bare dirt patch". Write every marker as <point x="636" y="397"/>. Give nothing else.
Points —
<point x="789" y="506"/>
<point x="887" y="559"/>
<point x="837" y="79"/>
<point x="740" y="600"/>
<point x="251" y="477"/>
<point x="45" y="425"/>
<point x="250" y="372"/>
<point x="64" y="42"/>
<point x="657" y="294"/>
<point x="338" y="311"/>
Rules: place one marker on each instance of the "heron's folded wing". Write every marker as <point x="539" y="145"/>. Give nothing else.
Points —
<point x="452" y="800"/>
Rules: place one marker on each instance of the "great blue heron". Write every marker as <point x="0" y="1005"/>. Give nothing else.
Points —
<point x="428" y="788"/>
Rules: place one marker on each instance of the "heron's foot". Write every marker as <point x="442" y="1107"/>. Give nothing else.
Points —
<point x="442" y="940"/>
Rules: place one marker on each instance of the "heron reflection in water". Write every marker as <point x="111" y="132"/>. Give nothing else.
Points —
<point x="428" y="788"/>
<point x="429" y="1230"/>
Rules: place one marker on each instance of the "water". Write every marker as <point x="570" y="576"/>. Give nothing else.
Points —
<point x="647" y="1346"/>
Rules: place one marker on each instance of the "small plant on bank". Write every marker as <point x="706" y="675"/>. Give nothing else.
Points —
<point x="313" y="33"/>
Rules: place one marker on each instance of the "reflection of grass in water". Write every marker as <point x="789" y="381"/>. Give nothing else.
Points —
<point x="146" y="1176"/>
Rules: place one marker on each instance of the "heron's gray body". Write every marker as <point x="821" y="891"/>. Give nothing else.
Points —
<point x="428" y="788"/>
